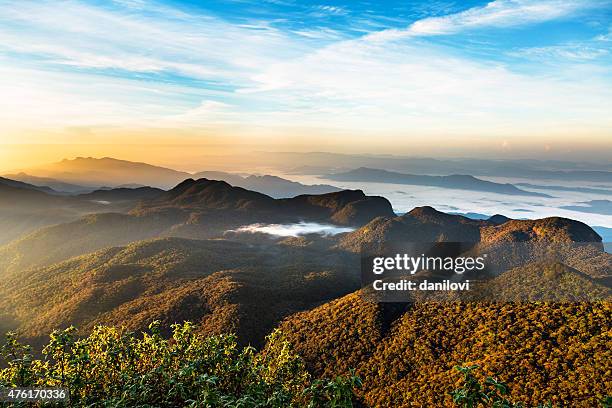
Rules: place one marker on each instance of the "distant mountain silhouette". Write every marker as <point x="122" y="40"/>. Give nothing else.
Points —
<point x="15" y="194"/>
<point x="19" y="184"/>
<point x="57" y="186"/>
<point x="587" y="190"/>
<point x="273" y="186"/>
<point x="324" y="162"/>
<point x="606" y="235"/>
<point x="472" y="215"/>
<point x="25" y="208"/>
<point x="604" y="232"/>
<point x="461" y="182"/>
<point x="80" y="174"/>
<point x="108" y="171"/>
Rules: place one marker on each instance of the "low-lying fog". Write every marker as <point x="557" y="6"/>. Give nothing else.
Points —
<point x="294" y="230"/>
<point x="406" y="197"/>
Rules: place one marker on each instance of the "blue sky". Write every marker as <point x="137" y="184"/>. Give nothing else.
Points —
<point x="534" y="74"/>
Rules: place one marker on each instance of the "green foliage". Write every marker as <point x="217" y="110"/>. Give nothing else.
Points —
<point x="333" y="393"/>
<point x="113" y="367"/>
<point x="491" y="393"/>
<point x="473" y="393"/>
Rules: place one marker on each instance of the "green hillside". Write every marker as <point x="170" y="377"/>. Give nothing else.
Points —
<point x="220" y="285"/>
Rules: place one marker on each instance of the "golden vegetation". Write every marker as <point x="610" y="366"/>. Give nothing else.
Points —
<point x="220" y="285"/>
<point x="406" y="353"/>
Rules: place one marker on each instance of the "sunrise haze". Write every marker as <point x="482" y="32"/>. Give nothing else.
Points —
<point x="501" y="79"/>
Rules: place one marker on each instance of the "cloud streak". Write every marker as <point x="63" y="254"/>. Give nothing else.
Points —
<point x="149" y="64"/>
<point x="498" y="13"/>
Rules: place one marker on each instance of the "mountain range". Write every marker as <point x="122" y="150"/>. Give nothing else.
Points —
<point x="128" y="256"/>
<point x="78" y="187"/>
<point x="324" y="163"/>
<point x="87" y="174"/>
<point x="58" y="187"/>
<point x="185" y="219"/>
<point x="455" y="181"/>
<point x="273" y="186"/>
<point x="106" y="171"/>
<point x="193" y="209"/>
<point x="25" y="207"/>
<point x="26" y="186"/>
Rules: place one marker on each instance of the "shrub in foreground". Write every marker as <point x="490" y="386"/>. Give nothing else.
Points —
<point x="113" y="367"/>
<point x="491" y="392"/>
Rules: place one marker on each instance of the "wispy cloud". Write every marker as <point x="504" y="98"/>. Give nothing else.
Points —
<point x="575" y="52"/>
<point x="572" y="51"/>
<point x="415" y="87"/>
<point x="332" y="10"/>
<point x="605" y="37"/>
<point x="320" y="33"/>
<point x="157" y="39"/>
<point x="150" y="64"/>
<point x="208" y="111"/>
<point x="498" y="13"/>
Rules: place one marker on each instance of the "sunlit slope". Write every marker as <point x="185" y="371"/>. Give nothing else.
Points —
<point x="530" y="330"/>
<point x="220" y="285"/>
<point x="56" y="243"/>
<point x="406" y="353"/>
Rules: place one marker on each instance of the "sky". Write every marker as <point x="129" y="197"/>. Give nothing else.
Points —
<point x="507" y="78"/>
